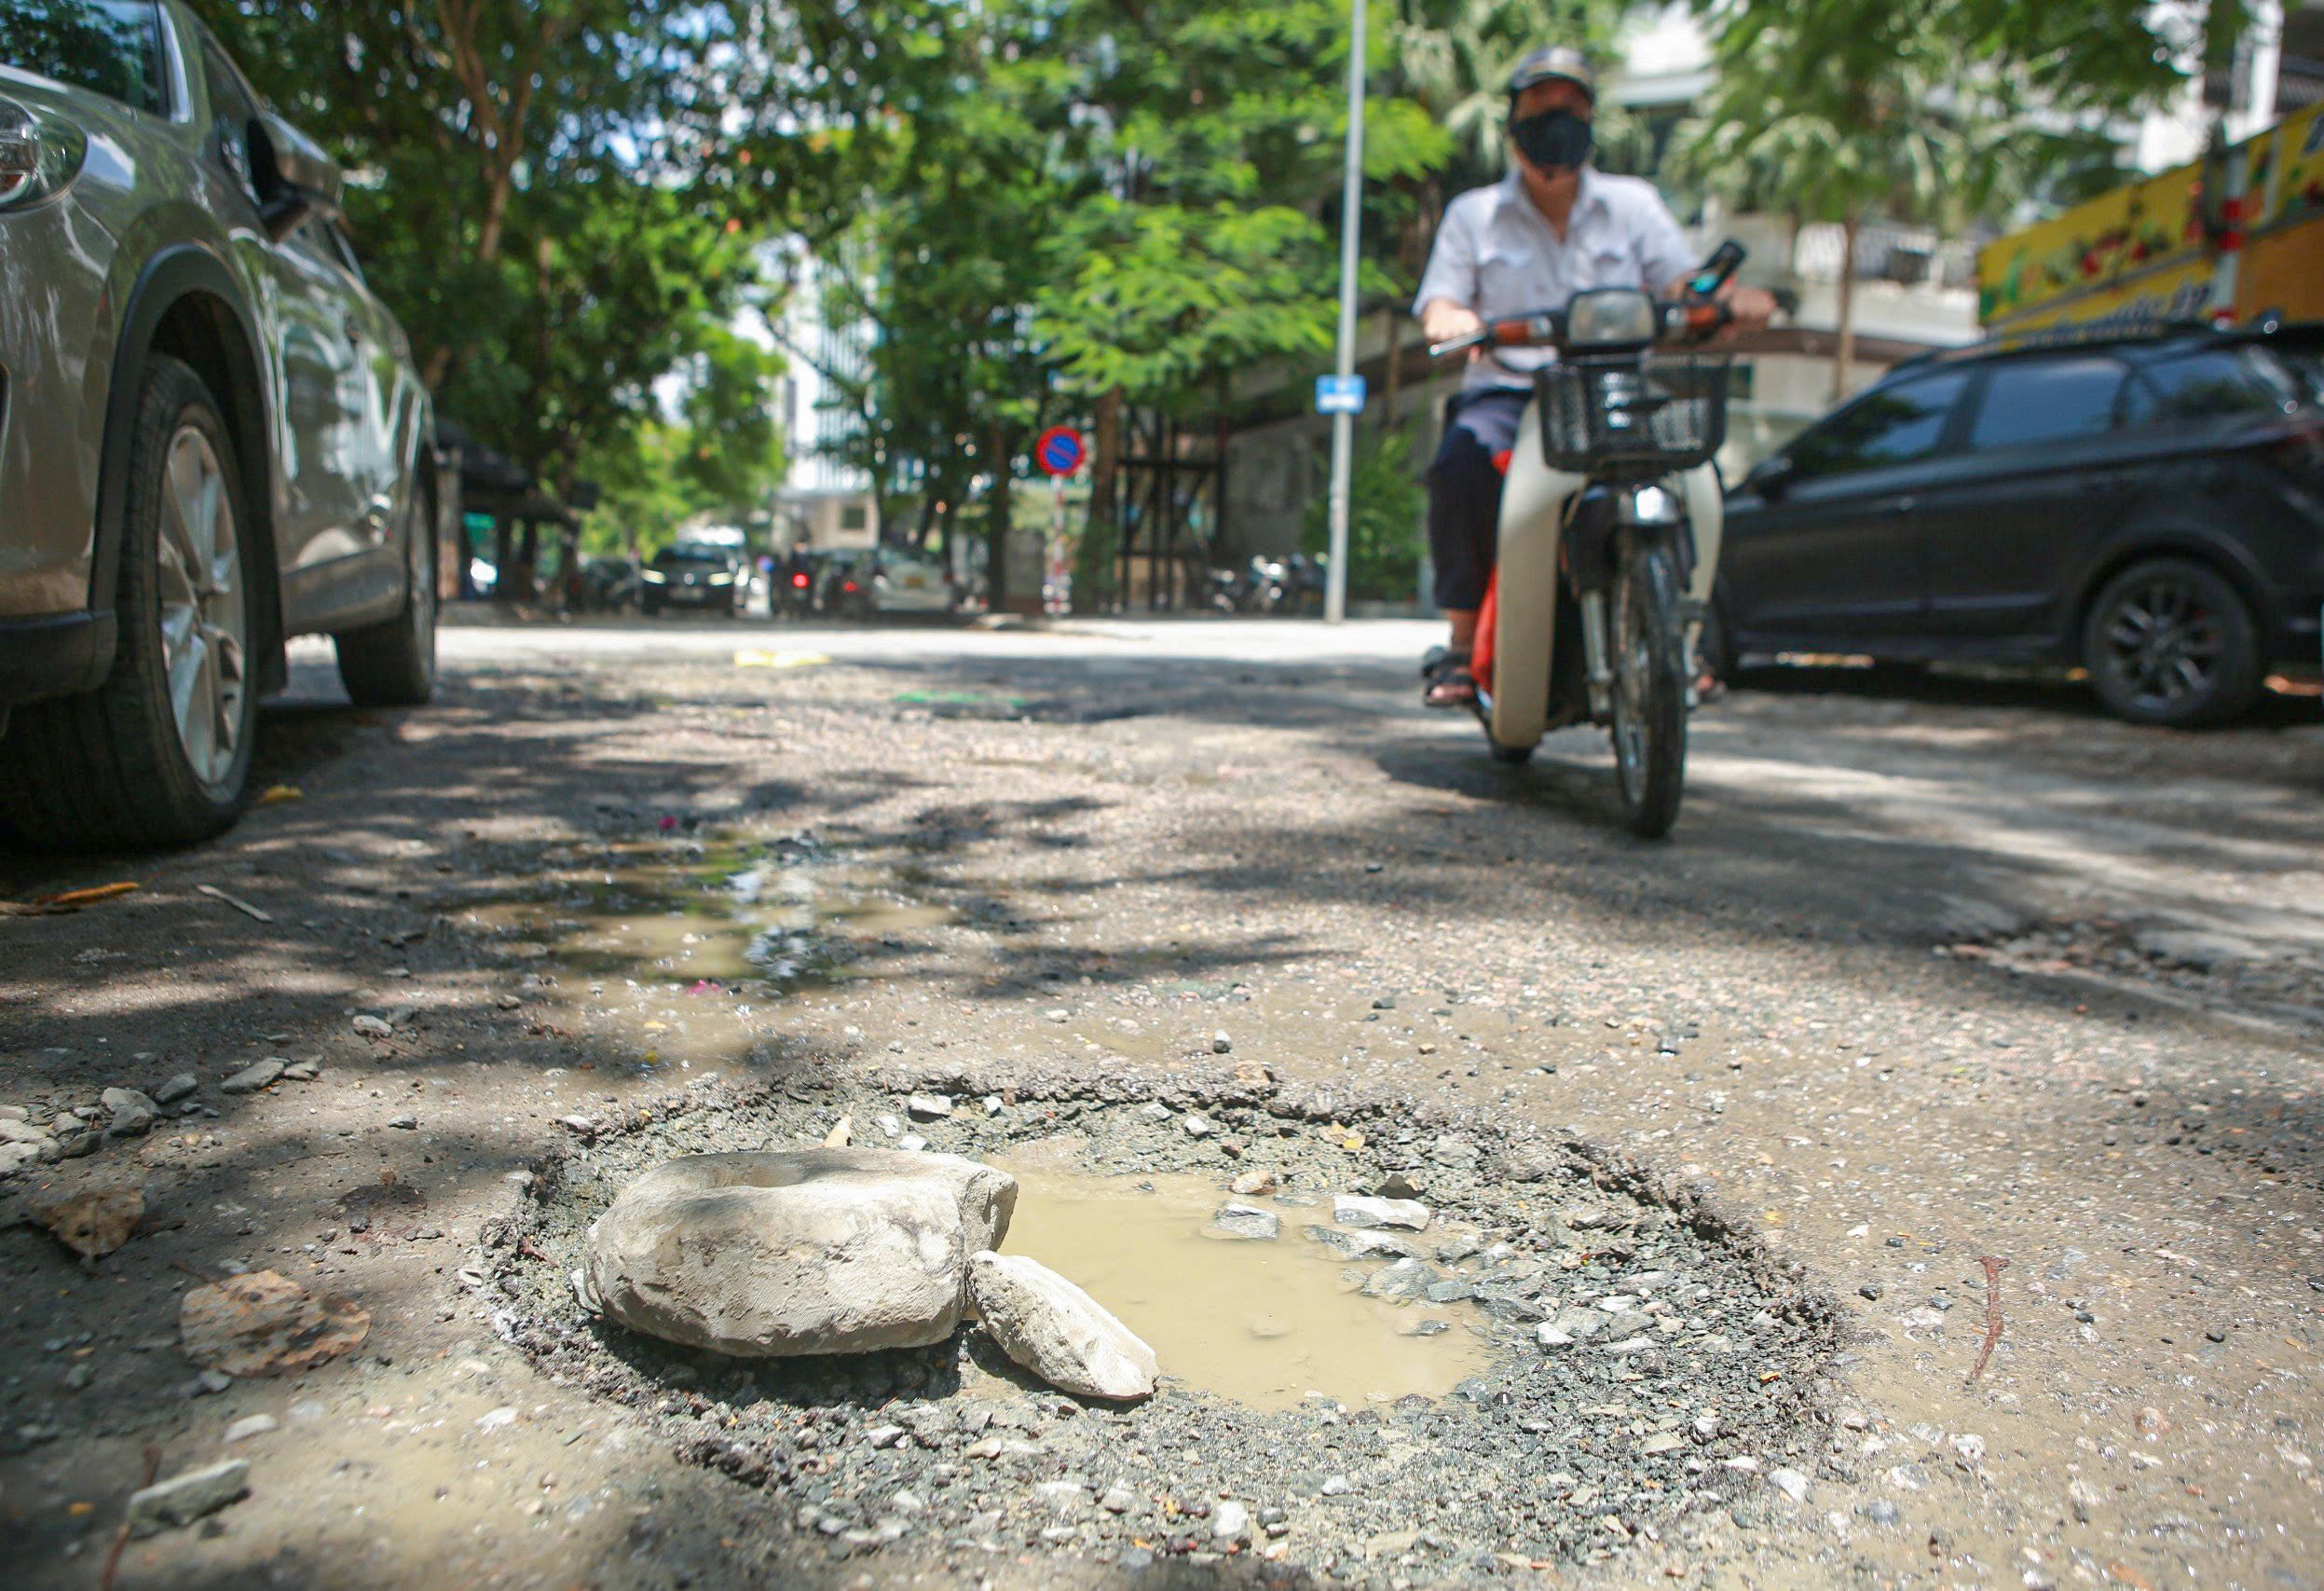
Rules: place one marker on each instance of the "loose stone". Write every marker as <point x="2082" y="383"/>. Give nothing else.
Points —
<point x="928" y="1108"/>
<point x="777" y="1253"/>
<point x="1253" y="1185"/>
<point x="1351" y="1210"/>
<point x="1247" y="1221"/>
<point x="250" y="1078"/>
<point x="1057" y="1331"/>
<point x="183" y="1498"/>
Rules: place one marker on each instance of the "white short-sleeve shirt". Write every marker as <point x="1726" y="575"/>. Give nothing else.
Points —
<point x="1497" y="254"/>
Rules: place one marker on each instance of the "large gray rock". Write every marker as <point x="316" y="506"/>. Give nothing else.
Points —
<point x="1057" y="1331"/>
<point x="782" y="1251"/>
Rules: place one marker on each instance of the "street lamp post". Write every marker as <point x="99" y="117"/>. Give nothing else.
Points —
<point x="1352" y="228"/>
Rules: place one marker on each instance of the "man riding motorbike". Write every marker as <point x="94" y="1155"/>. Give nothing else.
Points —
<point x="1551" y="227"/>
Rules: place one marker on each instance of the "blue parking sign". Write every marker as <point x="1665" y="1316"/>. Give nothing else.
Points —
<point x="1339" y="394"/>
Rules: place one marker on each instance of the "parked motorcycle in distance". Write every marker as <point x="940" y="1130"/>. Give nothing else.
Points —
<point x="1610" y="511"/>
<point x="1265" y="582"/>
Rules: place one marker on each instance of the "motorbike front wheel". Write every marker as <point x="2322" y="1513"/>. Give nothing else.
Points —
<point x="1649" y="689"/>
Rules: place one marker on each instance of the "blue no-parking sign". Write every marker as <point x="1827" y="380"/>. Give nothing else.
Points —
<point x="1339" y="394"/>
<point x="1058" y="450"/>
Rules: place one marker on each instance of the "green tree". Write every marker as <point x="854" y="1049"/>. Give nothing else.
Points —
<point x="1853" y="111"/>
<point x="560" y="200"/>
<point x="1383" y="508"/>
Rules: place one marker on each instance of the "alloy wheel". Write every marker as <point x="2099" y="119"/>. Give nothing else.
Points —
<point x="2164" y="644"/>
<point x="204" y="617"/>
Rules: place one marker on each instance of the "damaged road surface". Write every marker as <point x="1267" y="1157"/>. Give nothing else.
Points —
<point x="1907" y="1176"/>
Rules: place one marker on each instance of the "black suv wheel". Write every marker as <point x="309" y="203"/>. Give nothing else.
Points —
<point x="2169" y="642"/>
<point x="159" y="753"/>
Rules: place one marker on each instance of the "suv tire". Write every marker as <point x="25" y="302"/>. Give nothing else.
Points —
<point x="114" y="766"/>
<point x="2171" y="643"/>
<point x="393" y="663"/>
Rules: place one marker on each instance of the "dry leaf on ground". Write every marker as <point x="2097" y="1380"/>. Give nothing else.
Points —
<point x="93" y="1224"/>
<point x="266" y="1324"/>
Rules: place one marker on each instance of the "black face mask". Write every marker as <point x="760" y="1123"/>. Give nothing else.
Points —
<point x="1554" y="139"/>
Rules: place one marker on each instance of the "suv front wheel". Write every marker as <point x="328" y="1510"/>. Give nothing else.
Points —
<point x="2171" y="643"/>
<point x="159" y="753"/>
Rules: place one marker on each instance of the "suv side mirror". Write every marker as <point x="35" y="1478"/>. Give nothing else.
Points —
<point x="1770" y="476"/>
<point x="292" y="174"/>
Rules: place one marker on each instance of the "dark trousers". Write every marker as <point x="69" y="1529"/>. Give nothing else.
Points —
<point x="1464" y="492"/>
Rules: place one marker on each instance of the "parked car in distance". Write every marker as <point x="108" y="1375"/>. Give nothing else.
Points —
<point x="685" y="575"/>
<point x="2148" y="506"/>
<point x="212" y="434"/>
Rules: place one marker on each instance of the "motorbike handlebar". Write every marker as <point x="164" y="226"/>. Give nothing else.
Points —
<point x="1695" y="316"/>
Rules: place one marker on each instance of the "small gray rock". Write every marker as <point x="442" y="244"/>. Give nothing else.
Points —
<point x="181" y="1500"/>
<point x="1359" y="1246"/>
<point x="407" y="1121"/>
<point x="251" y="1425"/>
<point x="372" y="1027"/>
<point x="133" y="1113"/>
<point x="1880" y="1510"/>
<point x="1247" y="1221"/>
<point x="302" y="1072"/>
<point x="928" y="1108"/>
<point x="1350" y="1211"/>
<point x="1196" y="1125"/>
<point x="1230" y="1521"/>
<point x="250" y="1078"/>
<point x="1339" y="1486"/>
<point x="177" y="1087"/>
<point x="1117" y="1500"/>
<point x="1791" y="1483"/>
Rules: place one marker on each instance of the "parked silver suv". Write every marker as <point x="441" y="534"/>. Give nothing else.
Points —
<point x="212" y="434"/>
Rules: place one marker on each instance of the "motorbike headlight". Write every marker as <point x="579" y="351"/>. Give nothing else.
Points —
<point x="655" y="577"/>
<point x="1610" y="317"/>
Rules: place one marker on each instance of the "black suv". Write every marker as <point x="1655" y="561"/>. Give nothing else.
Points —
<point x="2149" y="506"/>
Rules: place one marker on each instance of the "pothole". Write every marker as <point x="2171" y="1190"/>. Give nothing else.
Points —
<point x="1568" y="1355"/>
<point x="761" y="917"/>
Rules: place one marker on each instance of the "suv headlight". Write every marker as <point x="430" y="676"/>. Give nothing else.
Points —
<point x="655" y="577"/>
<point x="37" y="158"/>
<point x="721" y="579"/>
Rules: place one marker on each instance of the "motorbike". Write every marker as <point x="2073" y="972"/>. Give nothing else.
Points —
<point x="1264" y="584"/>
<point x="1609" y="532"/>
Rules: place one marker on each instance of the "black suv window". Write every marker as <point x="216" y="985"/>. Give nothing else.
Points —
<point x="2214" y="381"/>
<point x="109" y="47"/>
<point x="2047" y="400"/>
<point x="1889" y="425"/>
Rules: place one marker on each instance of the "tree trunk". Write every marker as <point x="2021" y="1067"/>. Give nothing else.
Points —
<point x="927" y="517"/>
<point x="1844" y="348"/>
<point x="1093" y="560"/>
<point x="998" y="505"/>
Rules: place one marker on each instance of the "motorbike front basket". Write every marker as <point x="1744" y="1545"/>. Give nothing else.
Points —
<point x="1664" y="413"/>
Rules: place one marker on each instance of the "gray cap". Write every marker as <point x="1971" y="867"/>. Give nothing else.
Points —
<point x="1551" y="64"/>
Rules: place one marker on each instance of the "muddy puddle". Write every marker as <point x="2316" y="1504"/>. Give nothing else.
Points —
<point x="769" y="917"/>
<point x="1262" y="1321"/>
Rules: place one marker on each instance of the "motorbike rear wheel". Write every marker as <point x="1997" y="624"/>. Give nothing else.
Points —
<point x="1649" y="647"/>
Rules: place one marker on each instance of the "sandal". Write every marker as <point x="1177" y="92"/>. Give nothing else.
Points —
<point x="1449" y="682"/>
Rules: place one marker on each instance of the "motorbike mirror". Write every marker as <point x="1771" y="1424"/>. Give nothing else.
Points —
<point x="1770" y="475"/>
